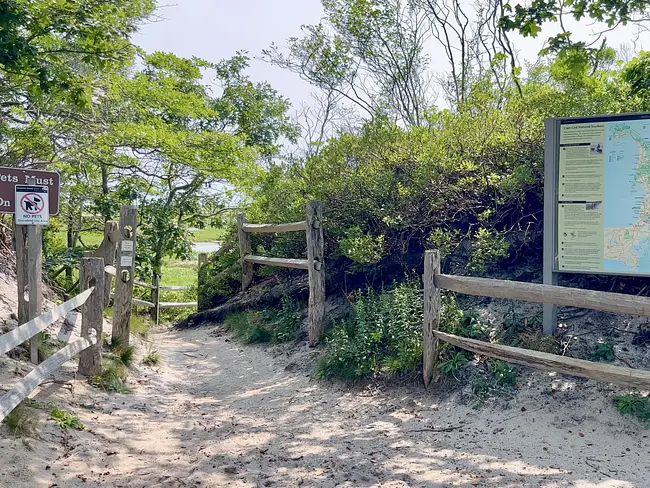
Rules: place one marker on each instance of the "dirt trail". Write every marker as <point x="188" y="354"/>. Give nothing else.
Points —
<point x="216" y="413"/>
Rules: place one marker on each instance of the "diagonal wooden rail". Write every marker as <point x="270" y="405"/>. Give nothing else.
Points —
<point x="91" y="300"/>
<point x="434" y="282"/>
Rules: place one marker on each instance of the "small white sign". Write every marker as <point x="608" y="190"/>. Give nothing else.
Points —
<point x="126" y="261"/>
<point x="32" y="205"/>
<point x="127" y="246"/>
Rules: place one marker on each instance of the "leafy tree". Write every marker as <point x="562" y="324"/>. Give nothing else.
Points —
<point x="173" y="148"/>
<point x="370" y="52"/>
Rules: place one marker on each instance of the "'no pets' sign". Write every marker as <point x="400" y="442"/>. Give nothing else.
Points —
<point x="32" y="205"/>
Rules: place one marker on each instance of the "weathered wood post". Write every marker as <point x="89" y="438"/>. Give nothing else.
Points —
<point x="200" y="284"/>
<point x="245" y="248"/>
<point x="20" y="246"/>
<point x="107" y="251"/>
<point x="155" y="299"/>
<point x="92" y="274"/>
<point x="124" y="278"/>
<point x="431" y="314"/>
<point x="35" y="278"/>
<point x="316" y="258"/>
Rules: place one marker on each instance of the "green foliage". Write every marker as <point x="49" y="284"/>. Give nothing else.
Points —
<point x="529" y="18"/>
<point x="65" y="419"/>
<point x="22" y="421"/>
<point x="384" y="336"/>
<point x="277" y="325"/>
<point x="122" y="355"/>
<point x="454" y="362"/>
<point x="112" y="378"/>
<point x="636" y="405"/>
<point x="504" y="373"/>
<point x="152" y="358"/>
<point x="362" y="248"/>
<point x="603" y="351"/>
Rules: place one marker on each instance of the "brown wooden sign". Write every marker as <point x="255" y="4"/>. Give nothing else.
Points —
<point x="10" y="177"/>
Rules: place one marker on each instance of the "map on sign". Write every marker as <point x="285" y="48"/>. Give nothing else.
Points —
<point x="604" y="196"/>
<point x="627" y="187"/>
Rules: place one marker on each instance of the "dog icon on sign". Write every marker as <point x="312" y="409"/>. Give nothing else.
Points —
<point x="33" y="207"/>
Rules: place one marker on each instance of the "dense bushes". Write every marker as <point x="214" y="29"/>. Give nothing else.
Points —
<point x="384" y="335"/>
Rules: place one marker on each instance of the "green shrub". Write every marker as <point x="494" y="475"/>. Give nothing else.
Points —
<point x="152" y="358"/>
<point x="21" y="421"/>
<point x="504" y="373"/>
<point x="635" y="405"/>
<point x="112" y="379"/>
<point x="603" y="351"/>
<point x="456" y="361"/>
<point x="273" y="325"/>
<point x="65" y="419"/>
<point x="384" y="336"/>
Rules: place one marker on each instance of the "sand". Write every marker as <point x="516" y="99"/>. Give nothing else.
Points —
<point x="216" y="413"/>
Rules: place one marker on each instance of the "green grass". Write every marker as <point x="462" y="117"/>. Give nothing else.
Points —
<point x="22" y="421"/>
<point x="179" y="273"/>
<point x="209" y="234"/>
<point x="636" y="405"/>
<point x="152" y="358"/>
<point x="89" y="238"/>
<point x="65" y="419"/>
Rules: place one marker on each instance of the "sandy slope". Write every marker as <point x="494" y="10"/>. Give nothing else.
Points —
<point x="220" y="414"/>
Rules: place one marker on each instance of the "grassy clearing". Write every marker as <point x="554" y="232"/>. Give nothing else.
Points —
<point x="179" y="273"/>
<point x="209" y="234"/>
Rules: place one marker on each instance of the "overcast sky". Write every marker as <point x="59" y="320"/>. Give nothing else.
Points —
<point x="216" y="29"/>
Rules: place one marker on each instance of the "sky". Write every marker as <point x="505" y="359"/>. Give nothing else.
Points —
<point x="217" y="29"/>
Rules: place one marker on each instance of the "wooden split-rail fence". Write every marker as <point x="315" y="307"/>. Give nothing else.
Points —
<point x="314" y="264"/>
<point x="435" y="281"/>
<point x="156" y="304"/>
<point x="88" y="346"/>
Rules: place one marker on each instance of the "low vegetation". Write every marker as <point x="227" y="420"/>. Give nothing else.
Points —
<point x="152" y="358"/>
<point x="65" y="419"/>
<point x="636" y="405"/>
<point x="22" y="421"/>
<point x="274" y="325"/>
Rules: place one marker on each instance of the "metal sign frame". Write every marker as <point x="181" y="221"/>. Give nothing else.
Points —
<point x="551" y="269"/>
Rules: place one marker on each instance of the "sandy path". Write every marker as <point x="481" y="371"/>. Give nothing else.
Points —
<point x="220" y="414"/>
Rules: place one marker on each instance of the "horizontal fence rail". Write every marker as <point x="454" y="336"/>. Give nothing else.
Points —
<point x="282" y="262"/>
<point x="434" y="282"/>
<point x="272" y="228"/>
<point x="538" y="293"/>
<point x="145" y="303"/>
<point x="314" y="264"/>
<point x="29" y="329"/>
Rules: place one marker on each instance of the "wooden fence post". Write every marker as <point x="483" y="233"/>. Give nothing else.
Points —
<point x="35" y="278"/>
<point x="20" y="245"/>
<point x="316" y="258"/>
<point x="125" y="267"/>
<point x="92" y="274"/>
<point x="431" y="314"/>
<point x="200" y="283"/>
<point x="155" y="299"/>
<point x="245" y="248"/>
<point x="107" y="251"/>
